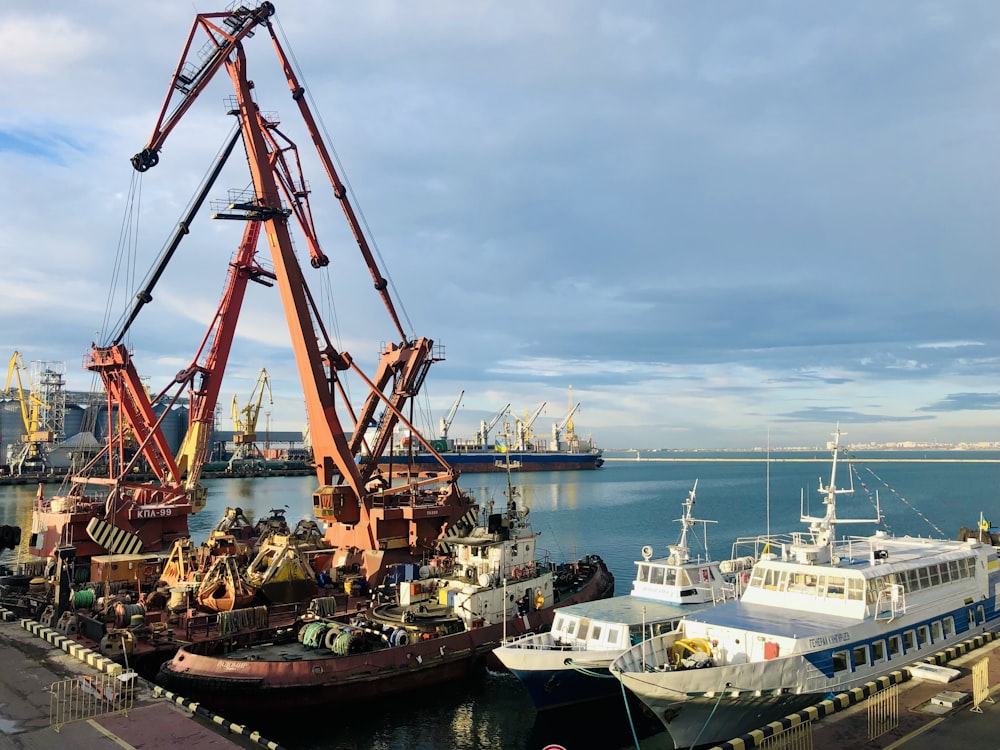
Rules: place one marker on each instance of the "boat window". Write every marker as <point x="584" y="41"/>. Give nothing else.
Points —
<point x="860" y="656"/>
<point x="878" y="651"/>
<point x="643" y="574"/>
<point x="595" y="633"/>
<point x="783" y="581"/>
<point x="944" y="573"/>
<point x="949" y="626"/>
<point x="935" y="575"/>
<point x="757" y="577"/>
<point x="925" y="577"/>
<point x="571" y="627"/>
<point x="771" y="578"/>
<point x="912" y="581"/>
<point x="560" y="623"/>
<point x="936" y="631"/>
<point x="953" y="570"/>
<point x="835" y="587"/>
<point x="980" y="615"/>
<point x="839" y="661"/>
<point x="584" y="629"/>
<point x="656" y="575"/>
<point x="855" y="589"/>
<point x="923" y="636"/>
<point x="909" y="640"/>
<point x="682" y="578"/>
<point x="671" y="578"/>
<point x="895" y="646"/>
<point x="614" y="635"/>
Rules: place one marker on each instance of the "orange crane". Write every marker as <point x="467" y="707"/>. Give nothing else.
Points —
<point x="354" y="520"/>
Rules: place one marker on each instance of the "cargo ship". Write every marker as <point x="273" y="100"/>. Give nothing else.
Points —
<point x="564" y="451"/>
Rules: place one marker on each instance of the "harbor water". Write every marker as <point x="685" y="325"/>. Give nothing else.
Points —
<point x="611" y="512"/>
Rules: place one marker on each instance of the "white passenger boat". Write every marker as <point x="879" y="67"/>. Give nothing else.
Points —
<point x="565" y="665"/>
<point x="818" y="616"/>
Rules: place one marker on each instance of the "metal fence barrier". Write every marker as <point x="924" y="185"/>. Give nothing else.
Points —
<point x="981" y="684"/>
<point x="883" y="711"/>
<point x="799" y="737"/>
<point x="86" y="697"/>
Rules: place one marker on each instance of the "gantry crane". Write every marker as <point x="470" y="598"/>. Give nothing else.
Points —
<point x="245" y="449"/>
<point x="370" y="527"/>
<point x="447" y="420"/>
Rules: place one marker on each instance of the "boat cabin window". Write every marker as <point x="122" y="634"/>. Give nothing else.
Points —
<point x="683" y="579"/>
<point x="643" y="575"/>
<point x="943" y="573"/>
<point x="833" y="586"/>
<point x="923" y="636"/>
<point x="855" y="589"/>
<point x="980" y="615"/>
<point x="656" y="575"/>
<point x="953" y="570"/>
<point x="909" y="640"/>
<point x="757" y="577"/>
<point x="860" y="656"/>
<point x="584" y="629"/>
<point x="878" y="651"/>
<point x="936" y="631"/>
<point x="615" y="635"/>
<point x="671" y="577"/>
<point x="949" y="626"/>
<point x="571" y="627"/>
<point x="559" y="623"/>
<point x="595" y="633"/>
<point x="840" y="663"/>
<point x="895" y="646"/>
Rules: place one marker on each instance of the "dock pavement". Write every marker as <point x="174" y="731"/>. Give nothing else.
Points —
<point x="922" y="724"/>
<point x="30" y="665"/>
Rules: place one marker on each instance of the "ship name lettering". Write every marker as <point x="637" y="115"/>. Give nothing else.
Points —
<point x="234" y="666"/>
<point x="829" y="640"/>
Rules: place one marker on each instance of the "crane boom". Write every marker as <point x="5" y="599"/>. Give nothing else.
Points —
<point x="344" y="501"/>
<point x="447" y="420"/>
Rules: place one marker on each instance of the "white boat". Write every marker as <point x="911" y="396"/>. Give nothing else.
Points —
<point x="818" y="616"/>
<point x="564" y="666"/>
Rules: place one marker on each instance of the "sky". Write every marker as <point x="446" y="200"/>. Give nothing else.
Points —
<point x="712" y="225"/>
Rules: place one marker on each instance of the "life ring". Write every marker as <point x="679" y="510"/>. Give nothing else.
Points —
<point x="516" y="574"/>
<point x="148" y="571"/>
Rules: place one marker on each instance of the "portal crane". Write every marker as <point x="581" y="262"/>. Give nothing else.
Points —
<point x="447" y="420"/>
<point x="353" y="518"/>
<point x="32" y="454"/>
<point x="245" y="422"/>
<point x="524" y="429"/>
<point x="483" y="438"/>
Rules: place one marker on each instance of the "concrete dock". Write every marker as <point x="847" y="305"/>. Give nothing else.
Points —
<point x="30" y="666"/>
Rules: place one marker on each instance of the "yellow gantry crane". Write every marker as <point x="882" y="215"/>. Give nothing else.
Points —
<point x="31" y="454"/>
<point x="245" y="451"/>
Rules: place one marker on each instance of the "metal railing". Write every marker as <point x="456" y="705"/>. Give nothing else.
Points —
<point x="86" y="697"/>
<point x="798" y="737"/>
<point x="883" y="711"/>
<point x="981" y="684"/>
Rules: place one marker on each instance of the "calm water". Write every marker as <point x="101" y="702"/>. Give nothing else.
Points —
<point x="611" y="512"/>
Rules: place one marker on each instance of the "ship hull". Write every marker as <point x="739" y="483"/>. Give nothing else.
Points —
<point x="238" y="685"/>
<point x="479" y="462"/>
